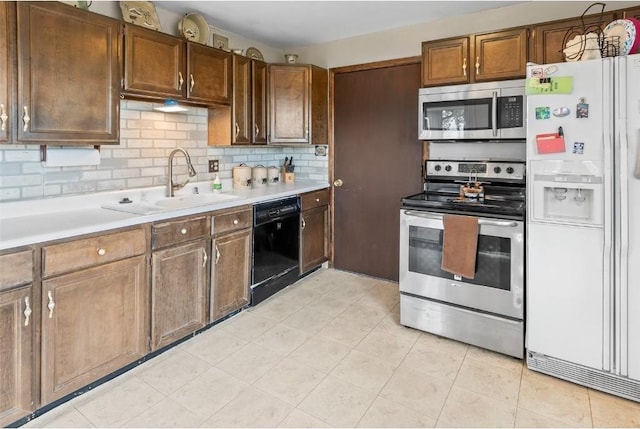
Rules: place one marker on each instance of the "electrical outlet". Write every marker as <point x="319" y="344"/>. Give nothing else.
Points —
<point x="213" y="166"/>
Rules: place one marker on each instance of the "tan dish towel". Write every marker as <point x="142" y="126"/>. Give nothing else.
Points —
<point x="460" y="245"/>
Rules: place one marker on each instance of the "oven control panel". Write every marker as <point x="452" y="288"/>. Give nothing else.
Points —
<point x="481" y="169"/>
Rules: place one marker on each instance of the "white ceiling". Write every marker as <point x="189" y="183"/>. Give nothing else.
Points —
<point x="282" y="24"/>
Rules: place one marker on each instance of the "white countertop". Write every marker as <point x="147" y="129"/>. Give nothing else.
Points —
<point x="37" y="221"/>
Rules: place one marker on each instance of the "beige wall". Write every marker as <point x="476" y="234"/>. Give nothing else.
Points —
<point x="406" y="41"/>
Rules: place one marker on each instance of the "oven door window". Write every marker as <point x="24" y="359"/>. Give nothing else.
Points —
<point x="493" y="259"/>
<point x="458" y="115"/>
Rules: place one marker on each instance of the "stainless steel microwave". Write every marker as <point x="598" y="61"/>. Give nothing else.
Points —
<point x="480" y="111"/>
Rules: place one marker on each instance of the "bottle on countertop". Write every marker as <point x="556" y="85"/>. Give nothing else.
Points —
<point x="217" y="184"/>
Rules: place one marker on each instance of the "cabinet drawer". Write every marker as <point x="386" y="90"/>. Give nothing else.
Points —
<point x="16" y="269"/>
<point x="179" y="231"/>
<point x="73" y="255"/>
<point x="314" y="199"/>
<point x="232" y="220"/>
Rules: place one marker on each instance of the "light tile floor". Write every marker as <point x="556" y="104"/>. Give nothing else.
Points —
<point x="329" y="351"/>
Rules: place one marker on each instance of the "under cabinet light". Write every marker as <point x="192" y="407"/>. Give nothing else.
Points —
<point x="171" y="106"/>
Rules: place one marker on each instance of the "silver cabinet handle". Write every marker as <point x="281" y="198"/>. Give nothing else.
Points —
<point x="180" y="80"/>
<point x="27" y="311"/>
<point x="183" y="231"/>
<point x="237" y="130"/>
<point x="464" y="67"/>
<point x="337" y="183"/>
<point x="3" y="117"/>
<point x="304" y="224"/>
<point x="193" y="82"/>
<point x="102" y="251"/>
<point x="217" y="254"/>
<point x="235" y="221"/>
<point x="257" y="130"/>
<point x="317" y="200"/>
<point x="51" y="304"/>
<point x="26" y="119"/>
<point x="205" y="258"/>
<point x="477" y="65"/>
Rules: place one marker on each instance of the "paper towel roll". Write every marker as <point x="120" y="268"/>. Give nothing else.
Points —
<point x="69" y="157"/>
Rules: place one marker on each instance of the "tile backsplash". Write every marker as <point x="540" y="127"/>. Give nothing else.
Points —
<point x="147" y="138"/>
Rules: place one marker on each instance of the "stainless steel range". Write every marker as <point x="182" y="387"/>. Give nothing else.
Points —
<point x="488" y="309"/>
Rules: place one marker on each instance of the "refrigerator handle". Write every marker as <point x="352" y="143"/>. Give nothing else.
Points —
<point x="623" y="216"/>
<point x="494" y="114"/>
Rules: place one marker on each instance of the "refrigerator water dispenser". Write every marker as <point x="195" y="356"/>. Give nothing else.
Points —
<point x="566" y="195"/>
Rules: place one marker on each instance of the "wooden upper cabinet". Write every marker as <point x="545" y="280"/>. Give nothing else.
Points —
<point x="159" y="66"/>
<point x="476" y="58"/>
<point x="259" y="102"/>
<point x="298" y="104"/>
<point x="68" y="75"/>
<point x="501" y="55"/>
<point x="548" y="38"/>
<point x="7" y="53"/>
<point x="445" y="62"/>
<point x="154" y="63"/>
<point x="209" y="74"/>
<point x="241" y="124"/>
<point x="633" y="12"/>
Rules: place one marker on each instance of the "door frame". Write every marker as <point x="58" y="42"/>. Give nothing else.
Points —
<point x="332" y="74"/>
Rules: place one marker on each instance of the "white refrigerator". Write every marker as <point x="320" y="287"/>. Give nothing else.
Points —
<point x="583" y="223"/>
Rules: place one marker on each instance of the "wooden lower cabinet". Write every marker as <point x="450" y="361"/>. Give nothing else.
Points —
<point x="230" y="273"/>
<point x="178" y="292"/>
<point x="314" y="229"/>
<point x="314" y="243"/>
<point x="231" y="260"/>
<point x="94" y="321"/>
<point x="16" y="354"/>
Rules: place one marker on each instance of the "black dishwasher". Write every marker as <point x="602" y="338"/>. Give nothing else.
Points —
<point x="276" y="238"/>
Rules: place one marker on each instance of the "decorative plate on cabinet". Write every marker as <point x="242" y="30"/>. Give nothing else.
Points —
<point x="254" y="54"/>
<point x="622" y="33"/>
<point x="142" y="13"/>
<point x="194" y="28"/>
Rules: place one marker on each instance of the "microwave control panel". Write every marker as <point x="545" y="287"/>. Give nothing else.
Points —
<point x="511" y="111"/>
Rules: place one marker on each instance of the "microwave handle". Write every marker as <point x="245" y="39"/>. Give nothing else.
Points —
<point x="494" y="114"/>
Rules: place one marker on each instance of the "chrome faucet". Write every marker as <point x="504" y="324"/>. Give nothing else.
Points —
<point x="171" y="187"/>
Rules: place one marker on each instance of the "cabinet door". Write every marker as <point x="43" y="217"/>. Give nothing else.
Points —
<point x="209" y="74"/>
<point x="633" y="12"/>
<point x="446" y="62"/>
<point x="289" y="103"/>
<point x="7" y="52"/>
<point x="241" y="131"/>
<point x="231" y="273"/>
<point x="94" y="322"/>
<point x="314" y="243"/>
<point x="16" y="347"/>
<point x="501" y="55"/>
<point x="68" y="75"/>
<point x="259" y="101"/>
<point x="549" y="38"/>
<point x="178" y="292"/>
<point x="154" y="63"/>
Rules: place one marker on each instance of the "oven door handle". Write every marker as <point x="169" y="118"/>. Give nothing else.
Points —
<point x="488" y="222"/>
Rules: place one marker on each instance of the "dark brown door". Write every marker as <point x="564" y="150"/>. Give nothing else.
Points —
<point x="209" y="74"/>
<point x="7" y="52"/>
<point x="259" y="101"/>
<point x="241" y="100"/>
<point x="378" y="158"/>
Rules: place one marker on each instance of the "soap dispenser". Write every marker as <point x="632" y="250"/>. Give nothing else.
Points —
<point x="217" y="184"/>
